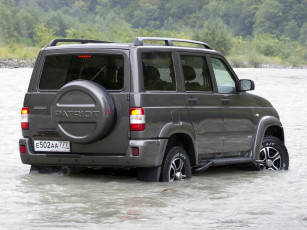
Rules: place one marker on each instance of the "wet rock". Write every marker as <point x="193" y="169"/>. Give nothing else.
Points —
<point x="172" y="191"/>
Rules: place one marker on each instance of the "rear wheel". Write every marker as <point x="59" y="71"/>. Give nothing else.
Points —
<point x="176" y="165"/>
<point x="273" y="154"/>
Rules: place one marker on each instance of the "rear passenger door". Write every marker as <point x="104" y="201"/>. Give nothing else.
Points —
<point x="203" y="104"/>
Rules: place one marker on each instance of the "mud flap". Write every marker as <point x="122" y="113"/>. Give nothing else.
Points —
<point x="149" y="174"/>
<point x="44" y="169"/>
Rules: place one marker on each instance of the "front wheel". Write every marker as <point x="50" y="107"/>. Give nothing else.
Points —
<point x="176" y="165"/>
<point x="273" y="154"/>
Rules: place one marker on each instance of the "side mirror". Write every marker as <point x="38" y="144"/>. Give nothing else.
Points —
<point x="245" y="85"/>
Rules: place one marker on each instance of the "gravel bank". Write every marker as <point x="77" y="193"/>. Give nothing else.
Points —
<point x="6" y="63"/>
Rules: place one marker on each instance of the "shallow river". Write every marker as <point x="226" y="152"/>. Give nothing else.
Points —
<point x="214" y="199"/>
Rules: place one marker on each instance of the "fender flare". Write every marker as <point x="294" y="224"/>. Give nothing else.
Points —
<point x="264" y="123"/>
<point x="175" y="128"/>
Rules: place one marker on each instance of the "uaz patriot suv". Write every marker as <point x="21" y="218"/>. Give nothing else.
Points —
<point x="163" y="108"/>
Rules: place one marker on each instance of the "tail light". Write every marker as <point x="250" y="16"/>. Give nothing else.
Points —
<point x="137" y="119"/>
<point x="25" y="118"/>
<point x="22" y="149"/>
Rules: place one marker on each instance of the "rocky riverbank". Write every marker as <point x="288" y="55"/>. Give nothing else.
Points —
<point x="29" y="63"/>
<point x="7" y="63"/>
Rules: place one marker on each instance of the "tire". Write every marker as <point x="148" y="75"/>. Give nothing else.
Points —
<point x="273" y="154"/>
<point x="176" y="165"/>
<point x="83" y="111"/>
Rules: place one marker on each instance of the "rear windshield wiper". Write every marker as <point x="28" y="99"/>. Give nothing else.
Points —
<point x="97" y="74"/>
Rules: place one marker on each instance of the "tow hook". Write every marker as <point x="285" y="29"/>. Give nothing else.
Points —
<point x="204" y="167"/>
<point x="65" y="170"/>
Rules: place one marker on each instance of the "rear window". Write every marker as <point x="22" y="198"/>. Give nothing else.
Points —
<point x="104" y="69"/>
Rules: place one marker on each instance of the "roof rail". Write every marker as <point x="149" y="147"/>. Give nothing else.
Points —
<point x="168" y="41"/>
<point x="83" y="41"/>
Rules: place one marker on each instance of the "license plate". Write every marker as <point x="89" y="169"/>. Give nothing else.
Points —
<point x="52" y="146"/>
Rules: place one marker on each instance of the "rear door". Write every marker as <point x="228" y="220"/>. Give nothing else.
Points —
<point x="237" y="110"/>
<point x="203" y="104"/>
<point x="109" y="68"/>
<point x="160" y="95"/>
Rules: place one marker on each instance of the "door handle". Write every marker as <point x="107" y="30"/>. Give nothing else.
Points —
<point x="193" y="99"/>
<point x="225" y="100"/>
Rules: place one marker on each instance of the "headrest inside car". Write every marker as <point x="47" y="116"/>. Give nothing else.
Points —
<point x="151" y="73"/>
<point x="189" y="73"/>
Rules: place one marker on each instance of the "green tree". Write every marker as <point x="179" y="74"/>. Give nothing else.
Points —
<point x="268" y="17"/>
<point x="26" y="23"/>
<point x="43" y="35"/>
<point x="58" y="22"/>
<point x="298" y="12"/>
<point x="239" y="16"/>
<point x="117" y="30"/>
<point x="147" y="16"/>
<point x="8" y="22"/>
<point x="291" y="30"/>
<point x="266" y="44"/>
<point x="82" y="6"/>
<point x="216" y="34"/>
<point x="75" y="33"/>
<point x="303" y="34"/>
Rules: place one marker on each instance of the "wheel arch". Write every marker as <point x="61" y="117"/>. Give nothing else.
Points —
<point x="185" y="141"/>
<point x="270" y="126"/>
<point x="275" y="131"/>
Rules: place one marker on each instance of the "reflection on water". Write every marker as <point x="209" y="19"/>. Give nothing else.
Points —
<point x="218" y="198"/>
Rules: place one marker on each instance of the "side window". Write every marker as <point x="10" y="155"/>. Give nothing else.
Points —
<point x="196" y="73"/>
<point x="225" y="82"/>
<point x="158" y="71"/>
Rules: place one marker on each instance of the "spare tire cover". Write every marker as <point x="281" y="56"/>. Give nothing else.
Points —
<point x="82" y="111"/>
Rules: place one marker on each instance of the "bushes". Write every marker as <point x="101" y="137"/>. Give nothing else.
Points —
<point x="18" y="51"/>
<point x="266" y="44"/>
<point x="267" y="48"/>
<point x="216" y="34"/>
<point x="43" y="35"/>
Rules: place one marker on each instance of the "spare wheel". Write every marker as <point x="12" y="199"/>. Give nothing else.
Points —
<point x="82" y="111"/>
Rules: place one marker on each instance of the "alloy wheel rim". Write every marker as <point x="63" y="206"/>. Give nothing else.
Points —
<point x="269" y="158"/>
<point x="177" y="170"/>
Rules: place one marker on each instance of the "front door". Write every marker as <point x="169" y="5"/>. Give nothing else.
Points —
<point x="237" y="111"/>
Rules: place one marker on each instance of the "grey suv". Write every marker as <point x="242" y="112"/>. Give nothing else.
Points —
<point x="163" y="108"/>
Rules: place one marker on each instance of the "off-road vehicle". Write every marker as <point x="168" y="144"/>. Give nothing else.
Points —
<point x="163" y="109"/>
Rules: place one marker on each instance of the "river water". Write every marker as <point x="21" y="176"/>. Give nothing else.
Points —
<point x="219" y="198"/>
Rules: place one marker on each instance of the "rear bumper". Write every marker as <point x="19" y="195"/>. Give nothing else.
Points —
<point x="151" y="154"/>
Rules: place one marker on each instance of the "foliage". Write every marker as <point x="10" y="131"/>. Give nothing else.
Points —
<point x="216" y="34"/>
<point x="264" y="28"/>
<point x="269" y="17"/>
<point x="18" y="51"/>
<point x="267" y="44"/>
<point x="303" y="34"/>
<point x="43" y="35"/>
